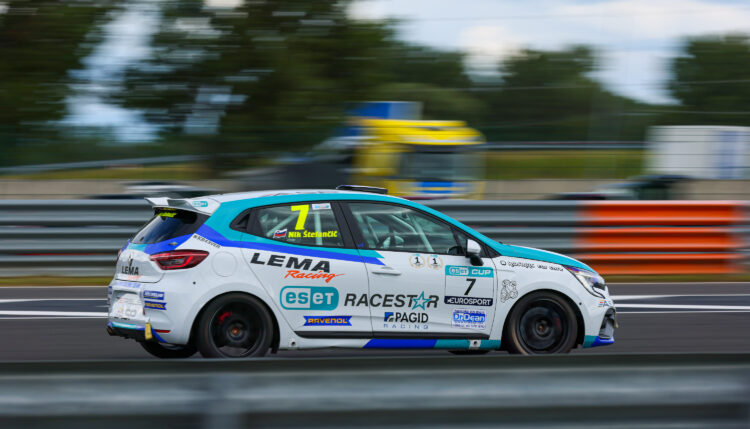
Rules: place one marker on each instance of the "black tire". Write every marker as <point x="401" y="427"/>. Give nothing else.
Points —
<point x="234" y="326"/>
<point x="168" y="351"/>
<point x="469" y="352"/>
<point x="541" y="323"/>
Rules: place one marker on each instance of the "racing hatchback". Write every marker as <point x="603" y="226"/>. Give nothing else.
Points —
<point x="237" y="275"/>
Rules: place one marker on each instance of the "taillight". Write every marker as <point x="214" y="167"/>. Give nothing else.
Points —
<point x="179" y="259"/>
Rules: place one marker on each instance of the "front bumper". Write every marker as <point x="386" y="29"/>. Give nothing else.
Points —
<point x="606" y="331"/>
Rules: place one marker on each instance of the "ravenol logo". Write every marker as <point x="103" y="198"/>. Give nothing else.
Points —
<point x="327" y="320"/>
<point x="457" y="270"/>
<point x="200" y="203"/>
<point x="309" y="298"/>
<point x="155" y="305"/>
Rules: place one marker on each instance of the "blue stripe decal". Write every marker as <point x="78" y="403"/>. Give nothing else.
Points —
<point x="400" y="344"/>
<point x="164" y="246"/>
<point x="258" y="243"/>
<point x="436" y="184"/>
<point x="429" y="344"/>
<point x="594" y="341"/>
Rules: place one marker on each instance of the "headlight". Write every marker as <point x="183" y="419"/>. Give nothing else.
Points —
<point x="593" y="282"/>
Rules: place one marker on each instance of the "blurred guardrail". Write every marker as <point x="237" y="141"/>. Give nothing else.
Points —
<point x="574" y="391"/>
<point x="81" y="237"/>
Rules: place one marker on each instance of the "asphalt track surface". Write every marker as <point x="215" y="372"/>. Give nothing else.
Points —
<point x="67" y="323"/>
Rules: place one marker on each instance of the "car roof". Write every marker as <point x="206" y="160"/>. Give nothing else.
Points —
<point x="238" y="196"/>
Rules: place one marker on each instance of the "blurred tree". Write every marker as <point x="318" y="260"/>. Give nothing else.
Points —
<point x="40" y="42"/>
<point x="549" y="95"/>
<point x="710" y="79"/>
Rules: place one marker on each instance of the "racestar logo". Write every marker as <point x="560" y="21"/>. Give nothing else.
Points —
<point x="292" y="262"/>
<point x="392" y="300"/>
<point x="129" y="269"/>
<point x="297" y="274"/>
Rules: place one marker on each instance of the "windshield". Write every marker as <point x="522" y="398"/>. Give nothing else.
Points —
<point x="168" y="224"/>
<point x="441" y="166"/>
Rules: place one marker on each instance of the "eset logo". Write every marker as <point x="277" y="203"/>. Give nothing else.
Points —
<point x="309" y="298"/>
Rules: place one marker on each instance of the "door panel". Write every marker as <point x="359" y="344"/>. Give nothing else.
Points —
<point x="407" y="293"/>
<point x="298" y="252"/>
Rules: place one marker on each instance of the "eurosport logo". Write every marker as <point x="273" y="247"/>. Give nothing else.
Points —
<point x="459" y="270"/>
<point x="473" y="319"/>
<point x="468" y="300"/>
<point x="321" y="298"/>
<point x="327" y="320"/>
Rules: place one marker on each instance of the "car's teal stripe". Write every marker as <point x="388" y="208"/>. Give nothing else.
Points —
<point x="228" y="211"/>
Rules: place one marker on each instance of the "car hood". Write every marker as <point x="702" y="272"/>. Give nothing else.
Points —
<point x="540" y="255"/>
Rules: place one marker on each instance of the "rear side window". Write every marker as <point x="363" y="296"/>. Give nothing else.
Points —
<point x="168" y="224"/>
<point x="311" y="224"/>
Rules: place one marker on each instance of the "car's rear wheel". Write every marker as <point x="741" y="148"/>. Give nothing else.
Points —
<point x="168" y="351"/>
<point x="234" y="326"/>
<point x="541" y="323"/>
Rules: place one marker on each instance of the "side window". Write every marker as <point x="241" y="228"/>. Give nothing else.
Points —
<point x="391" y="227"/>
<point x="308" y="224"/>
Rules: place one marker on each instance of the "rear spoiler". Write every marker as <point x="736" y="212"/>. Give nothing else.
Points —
<point x="199" y="205"/>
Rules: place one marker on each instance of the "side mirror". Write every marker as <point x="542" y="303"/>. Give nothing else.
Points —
<point x="473" y="250"/>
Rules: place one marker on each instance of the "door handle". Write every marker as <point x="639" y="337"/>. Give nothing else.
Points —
<point x="387" y="271"/>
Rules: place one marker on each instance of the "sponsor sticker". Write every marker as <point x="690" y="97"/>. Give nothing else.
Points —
<point x="155" y="305"/>
<point x="206" y="240"/>
<point x="472" y="319"/>
<point x="322" y="298"/>
<point x="435" y="262"/>
<point x="460" y="270"/>
<point x="508" y="291"/>
<point x="416" y="260"/>
<point x="468" y="300"/>
<point x="327" y="320"/>
<point x="321" y="206"/>
<point x="153" y="294"/>
<point x="279" y="233"/>
<point x="391" y="300"/>
<point x="297" y="274"/>
<point x="200" y="203"/>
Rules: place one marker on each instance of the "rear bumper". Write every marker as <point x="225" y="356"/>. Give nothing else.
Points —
<point x="135" y="332"/>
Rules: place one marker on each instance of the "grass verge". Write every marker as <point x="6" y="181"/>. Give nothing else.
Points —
<point x="564" y="164"/>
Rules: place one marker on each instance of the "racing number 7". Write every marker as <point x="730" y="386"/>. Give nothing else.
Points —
<point x="302" y="209"/>
<point x="471" y="285"/>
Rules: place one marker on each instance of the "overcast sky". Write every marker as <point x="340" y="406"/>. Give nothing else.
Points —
<point x="636" y="38"/>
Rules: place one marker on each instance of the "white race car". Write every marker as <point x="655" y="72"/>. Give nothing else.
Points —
<point x="237" y="275"/>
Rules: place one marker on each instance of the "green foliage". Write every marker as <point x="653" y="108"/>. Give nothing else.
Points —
<point x="711" y="80"/>
<point x="40" y="42"/>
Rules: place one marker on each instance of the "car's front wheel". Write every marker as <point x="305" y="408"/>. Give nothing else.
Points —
<point x="541" y="323"/>
<point x="234" y="326"/>
<point x="168" y="351"/>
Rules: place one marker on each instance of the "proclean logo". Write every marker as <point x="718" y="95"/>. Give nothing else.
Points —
<point x="309" y="298"/>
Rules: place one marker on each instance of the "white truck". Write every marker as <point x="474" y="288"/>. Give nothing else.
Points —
<point x="699" y="151"/>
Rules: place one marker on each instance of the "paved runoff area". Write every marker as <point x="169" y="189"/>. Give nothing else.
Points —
<point x="63" y="323"/>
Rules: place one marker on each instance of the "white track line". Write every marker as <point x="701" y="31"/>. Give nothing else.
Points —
<point x="686" y="307"/>
<point x="53" y="313"/>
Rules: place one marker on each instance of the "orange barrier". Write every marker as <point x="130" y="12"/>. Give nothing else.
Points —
<point x="662" y="237"/>
<point x="663" y="213"/>
<point x="709" y="263"/>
